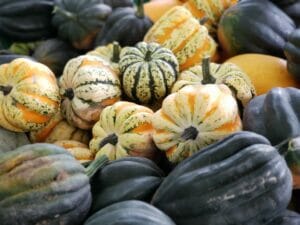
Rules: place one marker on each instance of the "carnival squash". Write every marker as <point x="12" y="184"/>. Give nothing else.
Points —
<point x="124" y="129"/>
<point x="129" y="178"/>
<point x="241" y="179"/>
<point x="54" y="53"/>
<point x="44" y="184"/>
<point x="59" y="129"/>
<point x="11" y="140"/>
<point x="131" y="212"/>
<point x="194" y="117"/>
<point x="80" y="151"/>
<point x="292" y="53"/>
<point x="28" y="20"/>
<point x="212" y="73"/>
<point x="126" y="25"/>
<point x="29" y="95"/>
<point x="79" y="21"/>
<point x="179" y="31"/>
<point x="88" y="84"/>
<point x="210" y="11"/>
<point x="256" y="26"/>
<point x="265" y="71"/>
<point x="274" y="115"/>
<point x="148" y="72"/>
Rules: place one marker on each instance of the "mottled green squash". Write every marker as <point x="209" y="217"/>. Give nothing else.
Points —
<point x="10" y="140"/>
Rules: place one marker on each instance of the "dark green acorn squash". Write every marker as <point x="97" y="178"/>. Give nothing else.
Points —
<point x="5" y="42"/>
<point x="11" y="140"/>
<point x="255" y="26"/>
<point x="44" y="184"/>
<point x="7" y="56"/>
<point x="240" y="180"/>
<point x="292" y="53"/>
<point x="28" y="20"/>
<point x="131" y="212"/>
<point x="275" y="115"/>
<point x="126" y="25"/>
<point x="289" y="218"/>
<point x="54" y="53"/>
<point x="131" y="178"/>
<point x="291" y="8"/>
<point x="79" y="21"/>
<point x="118" y="3"/>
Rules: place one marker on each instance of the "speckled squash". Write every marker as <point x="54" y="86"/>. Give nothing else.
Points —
<point x="124" y="129"/>
<point x="11" y="140"/>
<point x="179" y="31"/>
<point x="148" y="72"/>
<point x="44" y="184"/>
<point x="29" y="95"/>
<point x="194" y="117"/>
<point x="88" y="84"/>
<point x="110" y="53"/>
<point x="210" y="10"/>
<point x="212" y="73"/>
<point x="79" y="150"/>
<point x="59" y="129"/>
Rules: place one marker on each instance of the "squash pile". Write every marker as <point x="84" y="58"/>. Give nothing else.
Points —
<point x="151" y="112"/>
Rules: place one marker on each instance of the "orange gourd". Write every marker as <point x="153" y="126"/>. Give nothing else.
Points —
<point x="265" y="71"/>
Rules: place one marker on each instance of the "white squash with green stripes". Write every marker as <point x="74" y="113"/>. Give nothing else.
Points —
<point x="88" y="84"/>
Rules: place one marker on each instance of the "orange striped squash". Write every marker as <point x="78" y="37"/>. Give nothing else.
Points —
<point x="212" y="10"/>
<point x="59" y="129"/>
<point x="179" y="31"/>
<point x="124" y="129"/>
<point x="194" y="117"/>
<point x="29" y="95"/>
<point x="88" y="84"/>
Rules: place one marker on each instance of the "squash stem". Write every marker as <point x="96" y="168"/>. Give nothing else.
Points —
<point x="140" y="9"/>
<point x="69" y="93"/>
<point x="190" y="133"/>
<point x="148" y="56"/>
<point x="203" y="20"/>
<point x="97" y="164"/>
<point x="207" y="77"/>
<point x="5" y="89"/>
<point x="116" y="52"/>
<point x="110" y="139"/>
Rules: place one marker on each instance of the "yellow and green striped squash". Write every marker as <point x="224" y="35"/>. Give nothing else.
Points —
<point x="179" y="31"/>
<point x="226" y="73"/>
<point x="148" y="72"/>
<point x="124" y="129"/>
<point x="29" y="95"/>
<point x="194" y="117"/>
<point x="88" y="85"/>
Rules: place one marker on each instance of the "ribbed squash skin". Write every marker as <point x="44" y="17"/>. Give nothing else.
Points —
<point x="130" y="178"/>
<point x="289" y="218"/>
<point x="42" y="184"/>
<point x="238" y="180"/>
<point x="291" y="8"/>
<point x="226" y="73"/>
<point x="124" y="25"/>
<point x="148" y="72"/>
<point x="28" y="20"/>
<point x="10" y="140"/>
<point x="79" y="21"/>
<point x="88" y="85"/>
<point x="210" y="10"/>
<point x="118" y="3"/>
<point x="179" y="31"/>
<point x="256" y="26"/>
<point x="274" y="115"/>
<point x="129" y="213"/>
<point x="54" y="53"/>
<point x="124" y="129"/>
<point x="292" y="53"/>
<point x="194" y="117"/>
<point x="29" y="95"/>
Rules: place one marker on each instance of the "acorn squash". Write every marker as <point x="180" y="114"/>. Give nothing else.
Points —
<point x="241" y="179"/>
<point x="292" y="53"/>
<point x="288" y="218"/>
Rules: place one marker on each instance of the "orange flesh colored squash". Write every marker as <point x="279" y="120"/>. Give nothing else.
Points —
<point x="265" y="72"/>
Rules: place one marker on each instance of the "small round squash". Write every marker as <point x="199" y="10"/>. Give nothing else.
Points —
<point x="148" y="72"/>
<point x="124" y="129"/>
<point x="29" y="95"/>
<point x="194" y="117"/>
<point x="88" y="84"/>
